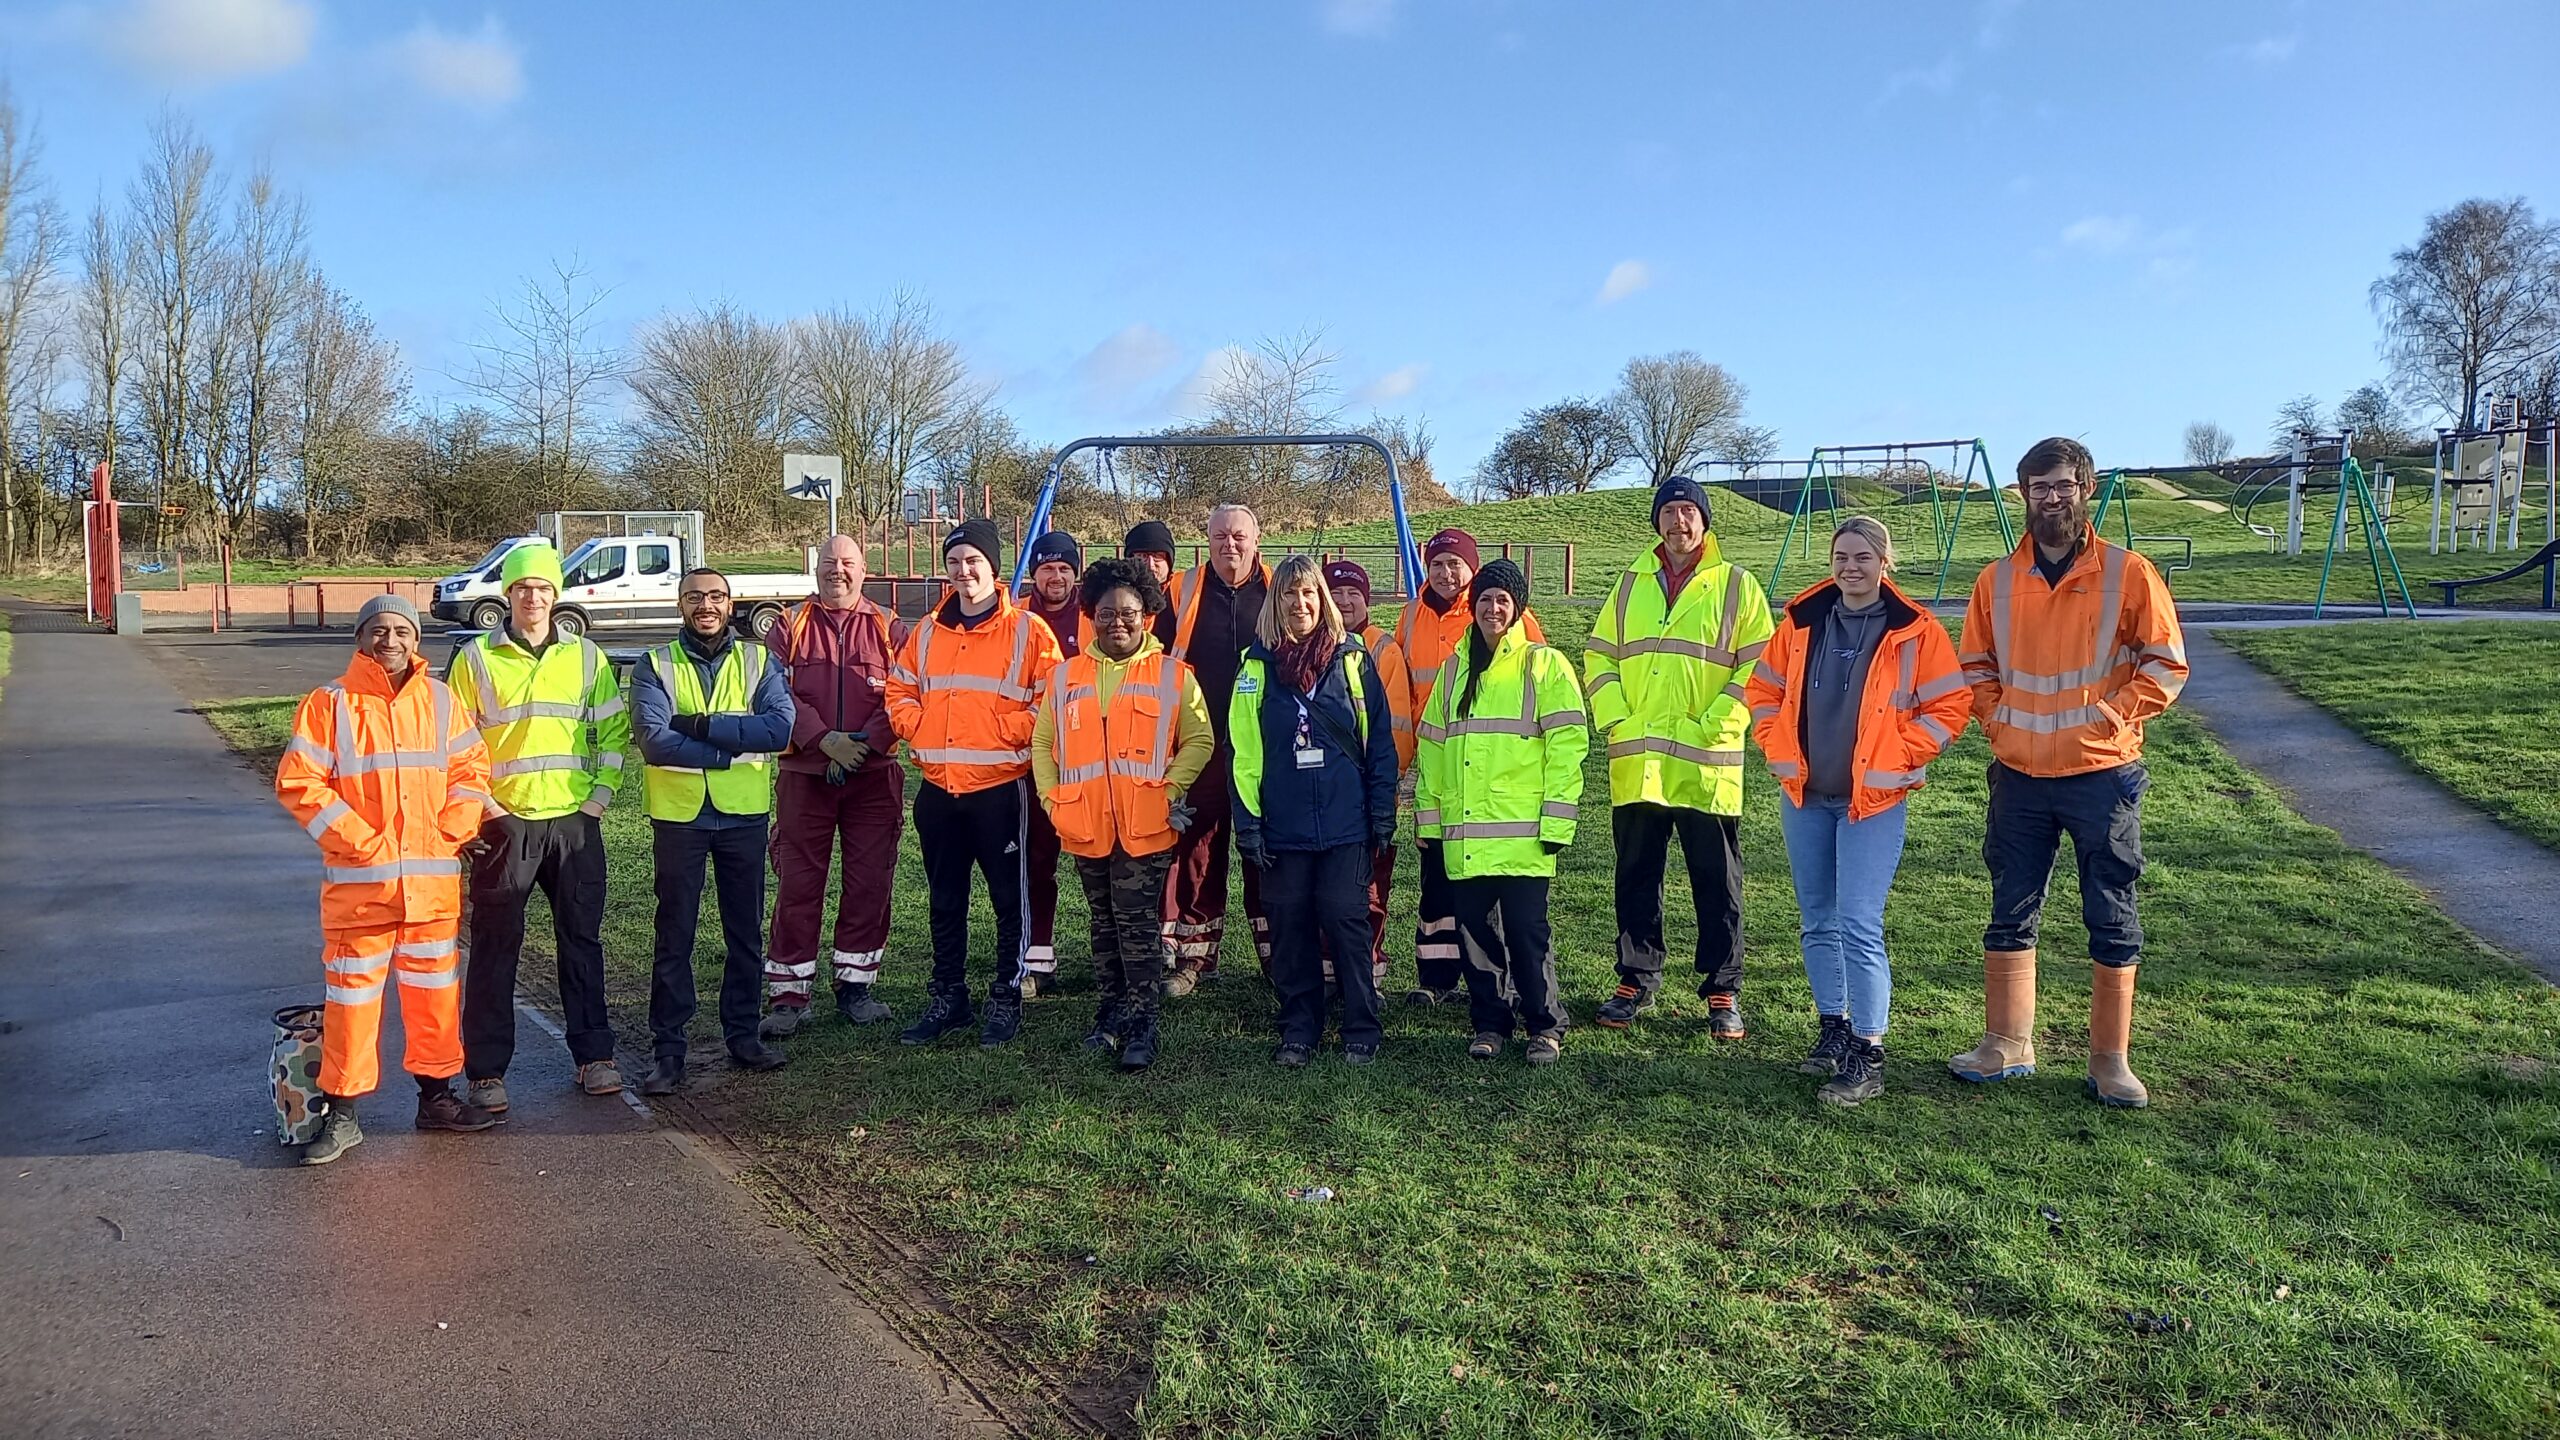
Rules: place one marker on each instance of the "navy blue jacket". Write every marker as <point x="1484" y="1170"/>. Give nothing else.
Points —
<point x="1352" y="797"/>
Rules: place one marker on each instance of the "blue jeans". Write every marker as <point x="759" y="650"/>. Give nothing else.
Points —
<point x="1843" y="872"/>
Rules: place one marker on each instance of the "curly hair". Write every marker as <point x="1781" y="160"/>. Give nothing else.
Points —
<point x="1114" y="572"/>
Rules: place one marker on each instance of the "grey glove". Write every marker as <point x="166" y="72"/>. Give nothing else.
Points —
<point x="1178" y="812"/>
<point x="844" y="748"/>
<point x="836" y="773"/>
<point x="1249" y="845"/>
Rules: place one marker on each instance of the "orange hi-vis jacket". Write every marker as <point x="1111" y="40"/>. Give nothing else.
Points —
<point x="1115" y="764"/>
<point x="392" y="783"/>
<point x="1387" y="658"/>
<point x="1182" y="597"/>
<point x="1916" y="701"/>
<point x="2065" y="675"/>
<point x="1429" y="637"/>
<point x="963" y="698"/>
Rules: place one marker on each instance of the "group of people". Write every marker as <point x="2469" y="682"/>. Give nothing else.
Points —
<point x="1148" y="722"/>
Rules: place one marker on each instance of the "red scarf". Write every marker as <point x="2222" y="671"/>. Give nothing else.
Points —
<point x="1301" y="662"/>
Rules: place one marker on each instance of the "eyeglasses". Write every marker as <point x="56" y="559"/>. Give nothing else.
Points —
<point x="1109" y="616"/>
<point x="2050" y="492"/>
<point x="700" y="597"/>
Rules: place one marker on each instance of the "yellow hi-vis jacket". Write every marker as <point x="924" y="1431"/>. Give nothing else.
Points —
<point x="554" y="722"/>
<point x="1500" y="782"/>
<point x="1665" y="682"/>
<point x="745" y="787"/>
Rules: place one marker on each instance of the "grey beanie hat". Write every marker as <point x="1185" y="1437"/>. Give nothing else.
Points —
<point x="388" y="605"/>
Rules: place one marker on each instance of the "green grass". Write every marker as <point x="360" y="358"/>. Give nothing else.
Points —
<point x="2341" y="1195"/>
<point x="2474" y="704"/>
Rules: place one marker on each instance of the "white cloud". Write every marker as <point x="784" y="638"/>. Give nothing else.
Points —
<point x="1625" y="279"/>
<point x="2267" y="49"/>
<point x="208" y="41"/>
<point x="1938" y="79"/>
<point x="1192" y="397"/>
<point x="483" y="70"/>
<point x="1357" y="17"/>
<point x="2101" y="234"/>
<point x="1392" y="386"/>
<point x="1112" y="373"/>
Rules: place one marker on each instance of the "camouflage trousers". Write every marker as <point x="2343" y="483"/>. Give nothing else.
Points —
<point x="1125" y="893"/>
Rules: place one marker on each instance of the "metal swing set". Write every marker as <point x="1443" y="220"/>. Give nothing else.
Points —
<point x="1967" y="472"/>
<point x="2311" y="457"/>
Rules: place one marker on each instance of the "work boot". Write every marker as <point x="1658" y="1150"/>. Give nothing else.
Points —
<point x="1181" y="982"/>
<point x="1293" y="1056"/>
<point x="1724" y="1017"/>
<point x="1426" y="995"/>
<point x="665" y="1078"/>
<point x="441" y="1109"/>
<point x="1833" y="1043"/>
<point x="783" y="1020"/>
<point x="1545" y="1049"/>
<point x="490" y="1094"/>
<point x="2111" y="1080"/>
<point x="338" y="1135"/>
<point x="598" y="1077"/>
<point x="1620" y="1010"/>
<point x="1861" y="1076"/>
<point x="855" y="1003"/>
<point x="1037" y="983"/>
<point x="1003" y="1021"/>
<point x="1138" y="1050"/>
<point x="1109" y="1028"/>
<point x="2008" y="1047"/>
<point x="943" y="1013"/>
<point x="753" y="1054"/>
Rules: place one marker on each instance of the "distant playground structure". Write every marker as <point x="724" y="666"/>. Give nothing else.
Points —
<point x="2480" y="480"/>
<point x="1949" y="475"/>
<point x="2314" y="465"/>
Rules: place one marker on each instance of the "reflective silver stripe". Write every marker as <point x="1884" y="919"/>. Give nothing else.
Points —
<point x="1133" y="770"/>
<point x="1764" y="712"/>
<point x="1786" y="769"/>
<point x="1936" y="731"/>
<point x="1940" y="688"/>
<point x="1605" y="682"/>
<point x="484" y="690"/>
<point x="1022" y="623"/>
<point x="1075" y="694"/>
<point x="2175" y="650"/>
<point x="1733" y="690"/>
<point x="1896" y="779"/>
<point x="748" y="760"/>
<point x="607" y="710"/>
<point x="1428" y="675"/>
<point x="609" y="760"/>
<point x="311" y="751"/>
<point x="1558" y="810"/>
<point x="1685" y="649"/>
<point x="391" y="760"/>
<point x="1662" y="745"/>
<point x="343" y="716"/>
<point x="1080" y="774"/>
<point x="1142" y="692"/>
<point x="359" y="964"/>
<point x="390" y="870"/>
<point x="2003" y="574"/>
<point x="355" y="994"/>
<point x="1606" y="649"/>
<point x="1556" y="719"/>
<point x="487" y="804"/>
<point x="971" y="757"/>
<point x="2169" y="680"/>
<point x="453" y="744"/>
<point x="1732" y="604"/>
<point x="330" y="814"/>
<point x="1491" y="830"/>
<point x="427" y="949"/>
<point x="1431" y="730"/>
<point x="2028" y="682"/>
<point x="2055" y="723"/>
<point x="1902" y="698"/>
<point x="532" y="764"/>
<point x="1626" y="590"/>
<point x="902" y="674"/>
<point x="534" y="710"/>
<point x="1764" y="671"/>
<point x="443" y="979"/>
<point x="1752" y="651"/>
<point x="1426" y="817"/>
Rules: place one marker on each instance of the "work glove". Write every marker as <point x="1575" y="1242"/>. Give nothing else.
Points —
<point x="836" y="772"/>
<point x="1552" y="847"/>
<point x="692" y="727"/>
<point x="1249" y="845"/>
<point x="1381" y="840"/>
<point x="844" y="748"/>
<point x="1178" y="812"/>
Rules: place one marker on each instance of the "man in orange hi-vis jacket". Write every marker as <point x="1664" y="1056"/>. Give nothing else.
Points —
<point x="390" y="776"/>
<point x="2071" y="644"/>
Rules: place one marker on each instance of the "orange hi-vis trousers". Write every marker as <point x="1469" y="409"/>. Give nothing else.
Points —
<point x="360" y="962"/>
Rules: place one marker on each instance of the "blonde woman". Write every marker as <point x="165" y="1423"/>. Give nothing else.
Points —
<point x="1856" y="694"/>
<point x="1315" y="792"/>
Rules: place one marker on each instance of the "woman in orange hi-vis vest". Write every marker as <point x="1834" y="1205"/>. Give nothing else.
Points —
<point x="390" y="776"/>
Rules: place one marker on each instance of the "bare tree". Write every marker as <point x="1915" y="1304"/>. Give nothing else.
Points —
<point x="1675" y="406"/>
<point x="2474" y="302"/>
<point x="174" y="263"/>
<point x="2380" y="427"/>
<point x="104" y="322"/>
<point x="711" y="390"/>
<point x="2300" y="415"/>
<point x="2539" y="389"/>
<point x="2207" y="443"/>
<point x="263" y="273"/>
<point x="542" y="371"/>
<point x="881" y="390"/>
<point x="1559" y="449"/>
<point x="1746" y="445"/>
<point x="30" y="248"/>
<point x="346" y="385"/>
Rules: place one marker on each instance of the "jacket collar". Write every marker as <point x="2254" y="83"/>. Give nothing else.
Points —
<point x="364" y="676"/>
<point x="1815" y="605"/>
<point x="945" y="613"/>
<point x="1148" y="645"/>
<point x="1650" y="561"/>
<point x="2092" y="544"/>
<point x="706" y="651"/>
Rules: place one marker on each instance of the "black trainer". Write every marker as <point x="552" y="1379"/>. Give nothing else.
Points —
<point x="942" y="1015"/>
<point x="665" y="1078"/>
<point x="1861" y="1076"/>
<point x="1833" y="1043"/>
<point x="1292" y="1056"/>
<point x="1138" y="1051"/>
<point x="1003" y="1021"/>
<point x="757" y="1055"/>
<point x="1620" y="1010"/>
<point x="1724" y="1017"/>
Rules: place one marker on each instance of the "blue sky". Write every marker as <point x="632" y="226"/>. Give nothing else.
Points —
<point x="1892" y="221"/>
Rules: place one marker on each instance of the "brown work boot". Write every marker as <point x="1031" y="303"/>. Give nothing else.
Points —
<point x="600" y="1077"/>
<point x="2008" y="1049"/>
<point x="2111" y="1080"/>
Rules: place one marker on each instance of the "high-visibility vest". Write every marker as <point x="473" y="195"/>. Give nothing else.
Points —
<point x="391" y="783"/>
<point x="1499" y="782"/>
<point x="1428" y="637"/>
<point x="675" y="792"/>
<point x="1244" y="724"/>
<point x="963" y="699"/>
<point x="1914" y="705"/>
<point x="1188" y="587"/>
<point x="2064" y="676"/>
<point x="1666" y="682"/>
<point x="1113" y="762"/>
<point x="1388" y="657"/>
<point x="554" y="722"/>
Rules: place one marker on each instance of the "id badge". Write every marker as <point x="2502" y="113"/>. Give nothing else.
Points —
<point x="1310" y="758"/>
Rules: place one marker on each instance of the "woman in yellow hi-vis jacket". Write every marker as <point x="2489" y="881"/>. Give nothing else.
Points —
<point x="1499" y="769"/>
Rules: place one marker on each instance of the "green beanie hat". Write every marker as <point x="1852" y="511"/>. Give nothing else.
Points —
<point x="532" y="562"/>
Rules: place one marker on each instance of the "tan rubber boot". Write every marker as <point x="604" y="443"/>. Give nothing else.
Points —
<point x="2111" y="1080"/>
<point x="2008" y="1048"/>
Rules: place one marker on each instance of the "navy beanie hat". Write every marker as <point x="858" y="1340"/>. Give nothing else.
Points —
<point x="1681" y="487"/>
<point x="1057" y="545"/>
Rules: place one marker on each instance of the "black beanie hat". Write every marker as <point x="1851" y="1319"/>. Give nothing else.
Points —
<point x="1149" y="537"/>
<point x="1681" y="487"/>
<point x="1057" y="545"/>
<point x="980" y="533"/>
<point x="1501" y="574"/>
